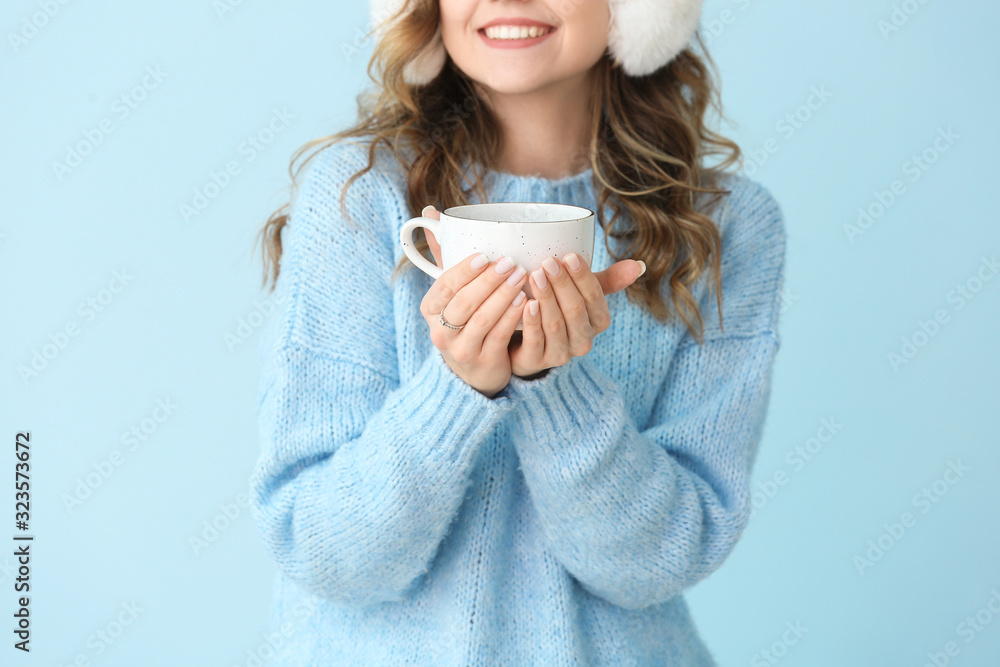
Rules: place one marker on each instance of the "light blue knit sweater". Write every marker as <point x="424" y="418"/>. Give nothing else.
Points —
<point x="414" y="521"/>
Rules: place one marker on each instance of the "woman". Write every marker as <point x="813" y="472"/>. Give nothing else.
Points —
<point x="437" y="491"/>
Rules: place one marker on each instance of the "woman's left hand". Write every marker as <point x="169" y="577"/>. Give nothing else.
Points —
<point x="572" y="310"/>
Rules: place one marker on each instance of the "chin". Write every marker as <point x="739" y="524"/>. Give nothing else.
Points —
<point x="511" y="90"/>
<point x="512" y="83"/>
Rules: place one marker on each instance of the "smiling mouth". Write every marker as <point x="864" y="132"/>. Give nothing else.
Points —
<point x="515" y="33"/>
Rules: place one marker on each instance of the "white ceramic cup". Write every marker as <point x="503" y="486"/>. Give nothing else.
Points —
<point x="527" y="232"/>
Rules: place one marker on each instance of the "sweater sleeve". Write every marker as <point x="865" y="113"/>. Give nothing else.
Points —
<point x="637" y="515"/>
<point x="361" y="472"/>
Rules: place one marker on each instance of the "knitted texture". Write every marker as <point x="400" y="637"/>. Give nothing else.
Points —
<point x="413" y="521"/>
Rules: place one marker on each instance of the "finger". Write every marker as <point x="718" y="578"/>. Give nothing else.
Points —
<point x="431" y="212"/>
<point x="449" y="283"/>
<point x="432" y="242"/>
<point x="484" y="319"/>
<point x="434" y="246"/>
<point x="598" y="315"/>
<point x="460" y="307"/>
<point x="620" y="275"/>
<point x="552" y="325"/>
<point x="499" y="336"/>
<point x="532" y="348"/>
<point x="579" y="330"/>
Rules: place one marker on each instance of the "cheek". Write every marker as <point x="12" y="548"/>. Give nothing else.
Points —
<point x="452" y="38"/>
<point x="452" y="16"/>
<point x="456" y="27"/>
<point x="598" y="26"/>
<point x="586" y="43"/>
<point x="589" y="28"/>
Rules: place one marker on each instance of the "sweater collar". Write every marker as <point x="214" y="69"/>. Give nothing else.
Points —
<point x="502" y="184"/>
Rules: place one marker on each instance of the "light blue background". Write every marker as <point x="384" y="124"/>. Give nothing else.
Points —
<point x="162" y="337"/>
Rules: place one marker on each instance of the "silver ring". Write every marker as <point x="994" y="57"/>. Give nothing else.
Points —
<point x="450" y="326"/>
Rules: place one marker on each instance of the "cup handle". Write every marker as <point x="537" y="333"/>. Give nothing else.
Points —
<point x="406" y="238"/>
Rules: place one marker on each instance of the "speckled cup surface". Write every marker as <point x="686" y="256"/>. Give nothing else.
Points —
<point x="528" y="232"/>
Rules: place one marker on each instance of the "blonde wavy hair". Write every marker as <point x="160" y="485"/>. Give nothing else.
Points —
<point x="647" y="147"/>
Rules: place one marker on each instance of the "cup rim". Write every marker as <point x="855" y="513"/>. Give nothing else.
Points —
<point x="583" y="210"/>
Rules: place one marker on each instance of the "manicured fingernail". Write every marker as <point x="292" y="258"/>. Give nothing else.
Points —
<point x="516" y="276"/>
<point x="519" y="299"/>
<point x="533" y="307"/>
<point x="504" y="265"/>
<point x="480" y="260"/>
<point x="642" y="266"/>
<point x="429" y="207"/>
<point x="572" y="261"/>
<point x="540" y="279"/>
<point x="551" y="266"/>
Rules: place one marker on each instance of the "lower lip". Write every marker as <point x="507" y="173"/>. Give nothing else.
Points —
<point x="514" y="43"/>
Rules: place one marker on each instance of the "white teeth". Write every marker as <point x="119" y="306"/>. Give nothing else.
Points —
<point x="514" y="32"/>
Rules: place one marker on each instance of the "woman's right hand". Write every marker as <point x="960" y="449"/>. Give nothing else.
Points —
<point x="488" y="305"/>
